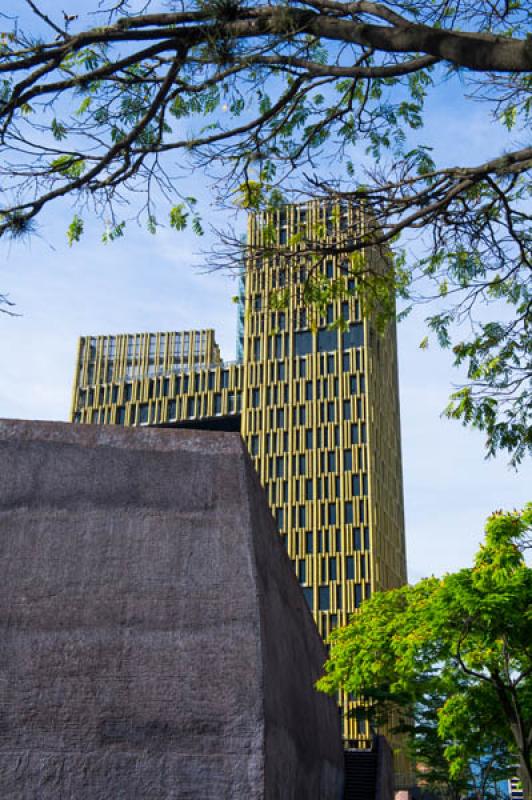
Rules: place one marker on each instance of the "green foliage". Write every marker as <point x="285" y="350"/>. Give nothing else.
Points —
<point x="178" y="217"/>
<point x="75" y="230"/>
<point x="113" y="232"/>
<point x="463" y="639"/>
<point x="69" y="166"/>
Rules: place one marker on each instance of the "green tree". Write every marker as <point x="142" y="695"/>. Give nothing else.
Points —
<point x="465" y="639"/>
<point x="264" y="96"/>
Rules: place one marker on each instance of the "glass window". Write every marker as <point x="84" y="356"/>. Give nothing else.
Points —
<point x="302" y="516"/>
<point x="327" y="340"/>
<point x="354" y="337"/>
<point x="308" y="439"/>
<point x="332" y="569"/>
<point x="349" y="513"/>
<point x="303" y="343"/>
<point x="172" y="409"/>
<point x="356" y="485"/>
<point x="279" y="518"/>
<point x="358" y="595"/>
<point x="302" y="571"/>
<point x="254" y="445"/>
<point x="347" y="409"/>
<point x="332" y="514"/>
<point x="218" y="403"/>
<point x="308" y="593"/>
<point x="309" y="543"/>
<point x="366" y="538"/>
<point x="143" y="413"/>
<point x="331" y="461"/>
<point x="308" y="489"/>
<point x="330" y="412"/>
<point x="357" y="544"/>
<point x="350" y="568"/>
<point x="324" y="598"/>
<point x="354" y="433"/>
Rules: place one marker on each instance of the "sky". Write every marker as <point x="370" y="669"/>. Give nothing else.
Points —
<point x="149" y="283"/>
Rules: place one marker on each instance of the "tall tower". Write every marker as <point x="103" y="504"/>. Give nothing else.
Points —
<point x="316" y="402"/>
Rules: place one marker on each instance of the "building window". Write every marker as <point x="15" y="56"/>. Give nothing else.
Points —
<point x="302" y="343"/>
<point x="356" y="485"/>
<point x="366" y="538"/>
<point x="308" y="489"/>
<point x="349" y="513"/>
<point x="172" y="408"/>
<point x="218" y="403"/>
<point x="358" y="595"/>
<point x="308" y="593"/>
<point x="350" y="568"/>
<point x="143" y="413"/>
<point x="332" y="514"/>
<point x="348" y="460"/>
<point x="327" y="340"/>
<point x="332" y="569"/>
<point x="302" y="571"/>
<point x="309" y="542"/>
<point x="279" y="518"/>
<point x="357" y="543"/>
<point x="324" y="598"/>
<point x="354" y="337"/>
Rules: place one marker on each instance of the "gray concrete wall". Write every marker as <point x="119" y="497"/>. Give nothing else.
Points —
<point x="154" y="643"/>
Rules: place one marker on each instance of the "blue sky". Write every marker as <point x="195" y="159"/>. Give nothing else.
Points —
<point x="146" y="282"/>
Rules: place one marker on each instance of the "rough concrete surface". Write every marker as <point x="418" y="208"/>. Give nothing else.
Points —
<point x="154" y="640"/>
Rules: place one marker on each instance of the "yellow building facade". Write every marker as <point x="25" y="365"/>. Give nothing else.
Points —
<point x="317" y="405"/>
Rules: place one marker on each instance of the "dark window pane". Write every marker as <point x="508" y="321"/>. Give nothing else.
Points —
<point x="327" y="340"/>
<point x="303" y="343"/>
<point x="354" y="337"/>
<point x="350" y="567"/>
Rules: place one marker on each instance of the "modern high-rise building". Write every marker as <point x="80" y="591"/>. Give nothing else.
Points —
<point x="316" y="402"/>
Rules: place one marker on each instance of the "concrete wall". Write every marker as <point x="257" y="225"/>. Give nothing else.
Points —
<point x="154" y="643"/>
